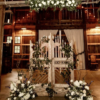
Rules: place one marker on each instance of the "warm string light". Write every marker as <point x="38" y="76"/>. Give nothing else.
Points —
<point x="24" y="17"/>
<point x="93" y="8"/>
<point x="87" y="9"/>
<point x="44" y="4"/>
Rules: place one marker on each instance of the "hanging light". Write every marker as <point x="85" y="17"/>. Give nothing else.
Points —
<point x="44" y="4"/>
<point x="98" y="23"/>
<point x="8" y="16"/>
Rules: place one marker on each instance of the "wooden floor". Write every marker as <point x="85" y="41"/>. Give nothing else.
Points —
<point x="90" y="75"/>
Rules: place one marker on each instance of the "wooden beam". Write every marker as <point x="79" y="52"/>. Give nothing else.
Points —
<point x="8" y="27"/>
<point x="91" y="25"/>
<point x="26" y="26"/>
<point x="2" y="14"/>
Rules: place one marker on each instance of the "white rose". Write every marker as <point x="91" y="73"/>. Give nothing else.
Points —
<point x="66" y="95"/>
<point x="68" y="88"/>
<point x="15" y="98"/>
<point x="84" y="91"/>
<point x="71" y="81"/>
<point x="12" y="91"/>
<point x="9" y="99"/>
<point x="27" y="96"/>
<point x="31" y="92"/>
<point x="72" y="93"/>
<point x="33" y="96"/>
<point x="84" y="83"/>
<point x="76" y="83"/>
<point x="84" y="95"/>
<point x="22" y="85"/>
<point x="15" y="89"/>
<point x="86" y="87"/>
<point x="69" y="97"/>
<point x="21" y="94"/>
<point x="12" y="86"/>
<point x="80" y="82"/>
<point x="77" y="93"/>
<point x="28" y="82"/>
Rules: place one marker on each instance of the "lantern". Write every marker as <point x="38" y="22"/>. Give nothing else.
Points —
<point x="8" y="16"/>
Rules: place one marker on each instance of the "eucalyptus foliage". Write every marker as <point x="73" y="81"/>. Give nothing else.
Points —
<point x="68" y="52"/>
<point x="37" y="62"/>
<point x="44" y="4"/>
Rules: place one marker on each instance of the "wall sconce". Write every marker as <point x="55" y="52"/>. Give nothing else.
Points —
<point x="8" y="16"/>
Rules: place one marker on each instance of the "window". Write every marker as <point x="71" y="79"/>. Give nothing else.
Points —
<point x="17" y="49"/>
<point x="17" y="39"/>
<point x="9" y="39"/>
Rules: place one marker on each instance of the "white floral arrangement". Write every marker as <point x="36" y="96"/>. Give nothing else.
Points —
<point x="22" y="90"/>
<point x="78" y="90"/>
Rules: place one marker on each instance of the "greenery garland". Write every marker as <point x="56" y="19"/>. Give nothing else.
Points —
<point x="44" y="4"/>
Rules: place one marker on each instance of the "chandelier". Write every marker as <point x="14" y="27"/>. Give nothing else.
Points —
<point x="44" y="4"/>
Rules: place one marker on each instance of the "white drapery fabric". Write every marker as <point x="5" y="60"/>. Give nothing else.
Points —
<point x="76" y="35"/>
<point x="46" y="33"/>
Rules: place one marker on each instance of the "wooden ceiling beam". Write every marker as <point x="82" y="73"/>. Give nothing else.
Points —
<point x="8" y="26"/>
<point x="91" y="7"/>
<point x="26" y="26"/>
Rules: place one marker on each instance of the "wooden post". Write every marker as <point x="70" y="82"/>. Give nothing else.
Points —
<point x="13" y="36"/>
<point x="2" y="14"/>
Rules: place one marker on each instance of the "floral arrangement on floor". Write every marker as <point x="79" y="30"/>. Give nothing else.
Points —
<point x="50" y="90"/>
<point x="22" y="89"/>
<point x="79" y="90"/>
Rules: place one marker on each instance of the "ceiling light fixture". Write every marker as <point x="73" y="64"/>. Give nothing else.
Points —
<point x="44" y="4"/>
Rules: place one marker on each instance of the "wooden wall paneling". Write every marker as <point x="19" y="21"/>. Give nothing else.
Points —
<point x="60" y="14"/>
<point x="21" y="50"/>
<point x="2" y="16"/>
